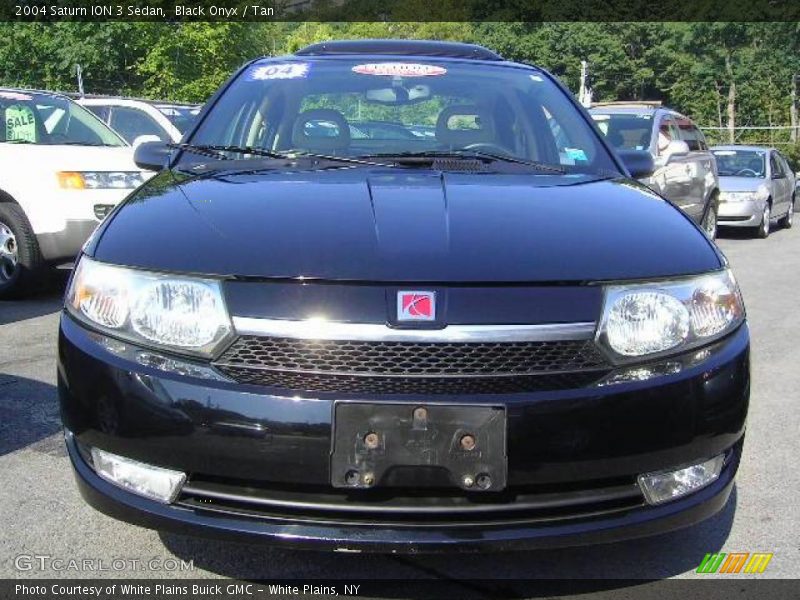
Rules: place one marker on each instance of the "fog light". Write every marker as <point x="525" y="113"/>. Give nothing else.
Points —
<point x="670" y="485"/>
<point x="146" y="480"/>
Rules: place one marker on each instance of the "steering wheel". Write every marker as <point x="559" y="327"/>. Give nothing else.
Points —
<point x="489" y="147"/>
<point x="743" y="171"/>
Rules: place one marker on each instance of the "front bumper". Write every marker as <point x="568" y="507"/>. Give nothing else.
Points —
<point x="67" y="243"/>
<point x="740" y="214"/>
<point x="259" y="462"/>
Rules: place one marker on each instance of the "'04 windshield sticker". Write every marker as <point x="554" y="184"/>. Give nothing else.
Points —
<point x="279" y="71"/>
<point x="397" y="69"/>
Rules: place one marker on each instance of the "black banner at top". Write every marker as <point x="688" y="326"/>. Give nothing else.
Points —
<point x="399" y="10"/>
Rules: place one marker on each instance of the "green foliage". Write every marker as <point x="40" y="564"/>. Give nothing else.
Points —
<point x="689" y="66"/>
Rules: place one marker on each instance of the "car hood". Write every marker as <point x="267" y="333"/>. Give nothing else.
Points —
<point x="741" y="184"/>
<point x="392" y="225"/>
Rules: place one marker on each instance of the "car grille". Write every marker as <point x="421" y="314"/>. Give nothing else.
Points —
<point x="405" y="507"/>
<point x="393" y="367"/>
<point x="101" y="210"/>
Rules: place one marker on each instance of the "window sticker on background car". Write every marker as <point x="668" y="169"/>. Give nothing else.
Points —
<point x="575" y="153"/>
<point x="20" y="123"/>
<point x="397" y="69"/>
<point x="279" y="71"/>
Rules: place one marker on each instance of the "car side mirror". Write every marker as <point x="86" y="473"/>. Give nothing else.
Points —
<point x="141" y="139"/>
<point x="638" y="162"/>
<point x="151" y="156"/>
<point x="675" y="149"/>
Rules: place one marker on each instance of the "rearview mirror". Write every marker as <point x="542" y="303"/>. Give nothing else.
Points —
<point x="398" y="94"/>
<point x="638" y="162"/>
<point x="151" y="156"/>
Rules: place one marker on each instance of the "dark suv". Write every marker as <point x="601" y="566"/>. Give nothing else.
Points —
<point x="487" y="338"/>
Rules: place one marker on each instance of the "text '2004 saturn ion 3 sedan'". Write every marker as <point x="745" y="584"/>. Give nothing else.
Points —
<point x="314" y="333"/>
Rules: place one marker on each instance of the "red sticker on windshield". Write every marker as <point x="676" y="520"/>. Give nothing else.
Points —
<point x="399" y="69"/>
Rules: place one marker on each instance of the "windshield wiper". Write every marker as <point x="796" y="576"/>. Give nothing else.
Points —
<point x="217" y="151"/>
<point x="429" y="156"/>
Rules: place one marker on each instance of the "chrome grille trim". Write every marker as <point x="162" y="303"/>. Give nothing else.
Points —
<point x="313" y="329"/>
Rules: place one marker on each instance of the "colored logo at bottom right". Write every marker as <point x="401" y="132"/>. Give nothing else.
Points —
<point x="735" y="562"/>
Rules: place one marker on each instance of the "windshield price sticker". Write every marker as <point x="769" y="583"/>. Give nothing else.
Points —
<point x="399" y="70"/>
<point x="279" y="71"/>
<point x="20" y="124"/>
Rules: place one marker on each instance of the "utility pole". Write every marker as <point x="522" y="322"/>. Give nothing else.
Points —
<point x="793" y="120"/>
<point x="584" y="92"/>
<point x="79" y="75"/>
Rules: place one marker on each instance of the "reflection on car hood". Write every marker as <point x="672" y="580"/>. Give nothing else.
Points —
<point x="740" y="184"/>
<point x="391" y="225"/>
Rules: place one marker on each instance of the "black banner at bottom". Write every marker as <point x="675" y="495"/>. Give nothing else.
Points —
<point x="717" y="588"/>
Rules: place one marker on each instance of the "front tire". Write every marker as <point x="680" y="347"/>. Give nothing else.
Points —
<point x="21" y="262"/>
<point x="762" y="231"/>
<point x="710" y="223"/>
<point x="787" y="221"/>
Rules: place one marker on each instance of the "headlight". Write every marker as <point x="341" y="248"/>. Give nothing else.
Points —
<point x="759" y="195"/>
<point x="667" y="317"/>
<point x="183" y="314"/>
<point x="99" y="180"/>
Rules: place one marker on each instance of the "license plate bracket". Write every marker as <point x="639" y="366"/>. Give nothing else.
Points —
<point x="465" y="444"/>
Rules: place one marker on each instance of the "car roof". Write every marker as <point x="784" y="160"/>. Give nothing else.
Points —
<point x="427" y="48"/>
<point x="35" y="91"/>
<point x="743" y="147"/>
<point x="99" y="98"/>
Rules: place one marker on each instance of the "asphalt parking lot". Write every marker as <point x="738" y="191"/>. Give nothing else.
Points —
<point x="42" y="512"/>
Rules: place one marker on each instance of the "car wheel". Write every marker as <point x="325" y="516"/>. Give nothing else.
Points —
<point x="710" y="223"/>
<point x="786" y="222"/>
<point x="21" y="261"/>
<point x="762" y="230"/>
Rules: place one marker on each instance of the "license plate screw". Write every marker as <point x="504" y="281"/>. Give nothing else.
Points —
<point x="351" y="477"/>
<point x="467" y="442"/>
<point x="420" y="413"/>
<point x="468" y="481"/>
<point x="371" y="440"/>
<point x="368" y="479"/>
<point x="483" y="481"/>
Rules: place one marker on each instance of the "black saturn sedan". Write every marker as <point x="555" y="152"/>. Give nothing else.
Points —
<point x="401" y="296"/>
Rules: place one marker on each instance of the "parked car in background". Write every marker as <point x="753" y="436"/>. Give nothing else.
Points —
<point x="758" y="187"/>
<point x="61" y="172"/>
<point x="355" y="343"/>
<point x="133" y="118"/>
<point x="685" y="170"/>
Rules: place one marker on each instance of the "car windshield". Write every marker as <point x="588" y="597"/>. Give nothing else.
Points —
<point x="741" y="163"/>
<point x="363" y="109"/>
<point x="180" y="116"/>
<point x="33" y="118"/>
<point x="626" y="131"/>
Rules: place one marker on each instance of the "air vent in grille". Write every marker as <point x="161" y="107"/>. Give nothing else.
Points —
<point x="426" y="359"/>
<point x="412" y="367"/>
<point x="354" y="384"/>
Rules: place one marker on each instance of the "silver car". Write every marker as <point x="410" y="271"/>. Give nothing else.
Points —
<point x="758" y="188"/>
<point x="685" y="171"/>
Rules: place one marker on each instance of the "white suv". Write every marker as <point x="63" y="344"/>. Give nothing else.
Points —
<point x="61" y="172"/>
